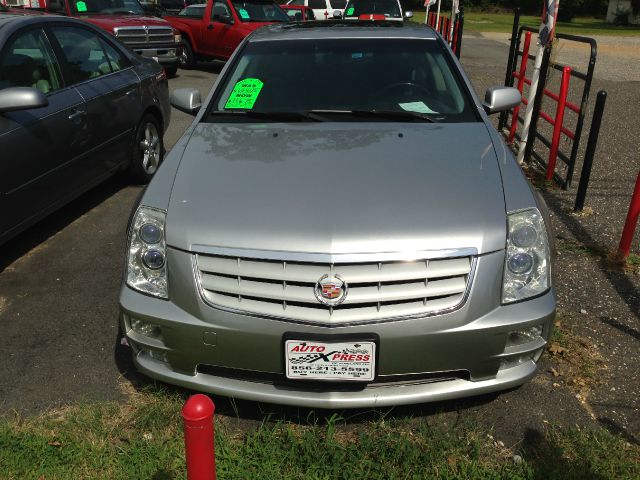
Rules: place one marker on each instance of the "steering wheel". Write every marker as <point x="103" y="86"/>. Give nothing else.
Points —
<point x="397" y="85"/>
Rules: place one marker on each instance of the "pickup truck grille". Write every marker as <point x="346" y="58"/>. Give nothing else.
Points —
<point x="145" y="35"/>
<point x="374" y="291"/>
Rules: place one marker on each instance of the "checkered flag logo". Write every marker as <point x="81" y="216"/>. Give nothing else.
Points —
<point x="305" y="359"/>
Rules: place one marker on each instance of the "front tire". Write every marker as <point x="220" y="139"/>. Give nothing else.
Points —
<point x="187" y="59"/>
<point x="148" y="149"/>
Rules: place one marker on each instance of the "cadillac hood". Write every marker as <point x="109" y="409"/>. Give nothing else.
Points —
<point x="338" y="188"/>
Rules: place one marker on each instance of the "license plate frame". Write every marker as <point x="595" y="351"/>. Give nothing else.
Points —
<point x="330" y="359"/>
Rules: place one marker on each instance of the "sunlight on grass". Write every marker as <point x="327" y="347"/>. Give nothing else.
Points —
<point x="143" y="439"/>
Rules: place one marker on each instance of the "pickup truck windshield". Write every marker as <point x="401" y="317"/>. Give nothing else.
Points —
<point x="388" y="8"/>
<point x="259" y="11"/>
<point x="379" y="80"/>
<point x="107" y="7"/>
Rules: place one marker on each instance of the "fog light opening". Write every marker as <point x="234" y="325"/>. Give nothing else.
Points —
<point x="524" y="335"/>
<point x="157" y="355"/>
<point x="145" y="328"/>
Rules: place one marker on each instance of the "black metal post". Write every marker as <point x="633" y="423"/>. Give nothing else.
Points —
<point x="460" y="28"/>
<point x="512" y="58"/>
<point x="583" y="107"/>
<point x="594" y="132"/>
<point x="537" y="103"/>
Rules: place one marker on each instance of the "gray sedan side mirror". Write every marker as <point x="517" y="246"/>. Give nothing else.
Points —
<point x="21" y="98"/>
<point x="408" y="14"/>
<point x="499" y="99"/>
<point x="187" y="100"/>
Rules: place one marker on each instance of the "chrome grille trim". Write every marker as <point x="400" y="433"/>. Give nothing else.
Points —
<point x="385" y="290"/>
<point x="148" y="35"/>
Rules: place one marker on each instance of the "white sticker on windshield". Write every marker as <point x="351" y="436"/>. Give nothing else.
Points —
<point x="419" y="107"/>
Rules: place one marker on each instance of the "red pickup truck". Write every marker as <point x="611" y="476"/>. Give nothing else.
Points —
<point x="125" y="19"/>
<point x="214" y="30"/>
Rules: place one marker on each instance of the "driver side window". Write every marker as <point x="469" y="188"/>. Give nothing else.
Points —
<point x="220" y="10"/>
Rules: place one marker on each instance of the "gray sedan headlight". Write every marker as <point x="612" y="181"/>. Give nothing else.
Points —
<point x="146" y="263"/>
<point x="527" y="268"/>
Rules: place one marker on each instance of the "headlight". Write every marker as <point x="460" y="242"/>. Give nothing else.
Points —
<point x="177" y="38"/>
<point x="527" y="268"/>
<point x="146" y="263"/>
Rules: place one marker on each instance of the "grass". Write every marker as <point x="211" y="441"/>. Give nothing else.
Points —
<point x="142" y="439"/>
<point x="503" y="22"/>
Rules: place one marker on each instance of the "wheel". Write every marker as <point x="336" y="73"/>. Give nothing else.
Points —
<point x="148" y="150"/>
<point x="187" y="58"/>
<point x="171" y="71"/>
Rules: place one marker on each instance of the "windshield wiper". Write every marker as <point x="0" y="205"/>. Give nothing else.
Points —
<point x="279" y="116"/>
<point x="397" y="115"/>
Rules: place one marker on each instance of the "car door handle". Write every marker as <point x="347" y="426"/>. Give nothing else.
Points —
<point x="210" y="26"/>
<point x="77" y="116"/>
<point x="131" y="93"/>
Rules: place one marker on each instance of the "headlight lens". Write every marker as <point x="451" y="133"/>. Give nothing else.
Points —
<point x="146" y="265"/>
<point x="527" y="264"/>
<point x="177" y="38"/>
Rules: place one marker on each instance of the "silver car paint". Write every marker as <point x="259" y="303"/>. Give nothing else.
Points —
<point x="216" y="173"/>
<point x="338" y="188"/>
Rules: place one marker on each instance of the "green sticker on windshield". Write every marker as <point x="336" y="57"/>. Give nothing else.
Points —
<point x="244" y="14"/>
<point x="244" y="94"/>
<point x="81" y="6"/>
<point x="350" y="11"/>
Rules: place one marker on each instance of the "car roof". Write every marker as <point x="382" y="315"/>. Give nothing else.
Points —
<point x="10" y="23"/>
<point x="319" y="30"/>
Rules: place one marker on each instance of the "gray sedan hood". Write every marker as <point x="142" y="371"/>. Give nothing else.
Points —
<point x="338" y="188"/>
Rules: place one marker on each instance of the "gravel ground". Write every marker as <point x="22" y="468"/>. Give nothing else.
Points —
<point x="597" y="301"/>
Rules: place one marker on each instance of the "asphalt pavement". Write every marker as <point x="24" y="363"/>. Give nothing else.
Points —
<point x="59" y="285"/>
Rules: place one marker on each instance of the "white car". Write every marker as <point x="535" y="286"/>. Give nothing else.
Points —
<point x="376" y="9"/>
<point x="322" y="9"/>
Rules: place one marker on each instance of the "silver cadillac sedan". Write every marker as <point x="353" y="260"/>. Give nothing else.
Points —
<point x="341" y="226"/>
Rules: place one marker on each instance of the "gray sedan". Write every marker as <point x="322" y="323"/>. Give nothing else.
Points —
<point x="368" y="245"/>
<point x="75" y="108"/>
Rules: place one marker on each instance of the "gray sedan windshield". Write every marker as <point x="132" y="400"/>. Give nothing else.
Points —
<point x="341" y="80"/>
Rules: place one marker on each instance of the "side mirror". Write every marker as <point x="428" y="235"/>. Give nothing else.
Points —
<point x="408" y="14"/>
<point x="499" y="99"/>
<point x="223" y="19"/>
<point x="337" y="14"/>
<point x="21" y="98"/>
<point x="187" y="100"/>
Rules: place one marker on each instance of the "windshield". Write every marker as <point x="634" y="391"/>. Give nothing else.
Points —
<point x="107" y="7"/>
<point x="339" y="76"/>
<point x="259" y="11"/>
<point x="389" y="8"/>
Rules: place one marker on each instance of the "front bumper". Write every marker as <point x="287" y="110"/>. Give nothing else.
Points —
<point x="167" y="56"/>
<point x="453" y="355"/>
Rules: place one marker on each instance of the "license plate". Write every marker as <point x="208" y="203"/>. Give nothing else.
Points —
<point x="330" y="360"/>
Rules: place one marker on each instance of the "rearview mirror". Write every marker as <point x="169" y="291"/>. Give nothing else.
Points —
<point x="408" y="14"/>
<point x="499" y="99"/>
<point x="21" y="98"/>
<point x="187" y="100"/>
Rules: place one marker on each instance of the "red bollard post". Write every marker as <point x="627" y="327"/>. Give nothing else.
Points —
<point x="521" y="77"/>
<point x="557" y="126"/>
<point x="197" y="414"/>
<point x="631" y="222"/>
